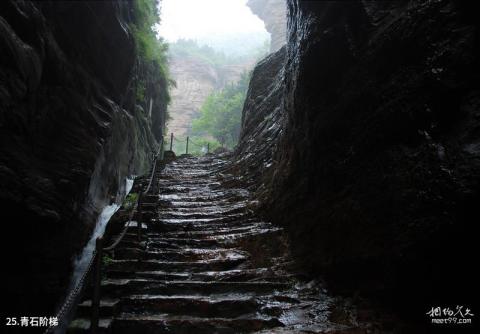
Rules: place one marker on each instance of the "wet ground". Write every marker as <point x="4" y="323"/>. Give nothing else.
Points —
<point x="207" y="264"/>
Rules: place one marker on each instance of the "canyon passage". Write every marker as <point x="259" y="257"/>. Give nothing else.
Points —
<point x="319" y="174"/>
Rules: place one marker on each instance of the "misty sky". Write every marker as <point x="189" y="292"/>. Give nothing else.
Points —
<point x="197" y="19"/>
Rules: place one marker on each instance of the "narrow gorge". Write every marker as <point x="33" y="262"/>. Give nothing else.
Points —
<point x="347" y="205"/>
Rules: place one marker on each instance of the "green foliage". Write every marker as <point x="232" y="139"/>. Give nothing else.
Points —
<point x="106" y="259"/>
<point x="189" y="48"/>
<point x="221" y="113"/>
<point x="130" y="200"/>
<point x="140" y="93"/>
<point x="184" y="48"/>
<point x="152" y="51"/>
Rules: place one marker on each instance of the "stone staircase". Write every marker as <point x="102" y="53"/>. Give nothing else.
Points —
<point x="206" y="264"/>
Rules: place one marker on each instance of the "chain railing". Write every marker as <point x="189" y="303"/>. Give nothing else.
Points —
<point x="188" y="142"/>
<point x="96" y="260"/>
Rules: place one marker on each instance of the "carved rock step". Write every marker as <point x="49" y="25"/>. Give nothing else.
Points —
<point x="234" y="275"/>
<point x="220" y="208"/>
<point x="188" y="254"/>
<point x="82" y="325"/>
<point x="107" y="308"/>
<point x="204" y="201"/>
<point x="218" y="231"/>
<point x="204" y="221"/>
<point x="188" y="182"/>
<point x="239" y="212"/>
<point x="229" y="306"/>
<point x="201" y="195"/>
<point x="182" y="166"/>
<point x="159" y="243"/>
<point x="157" y="226"/>
<point x="145" y="265"/>
<point x="131" y="323"/>
<point x="115" y="288"/>
<point x="214" y="234"/>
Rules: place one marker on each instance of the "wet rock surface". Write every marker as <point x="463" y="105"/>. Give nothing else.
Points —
<point x="375" y="158"/>
<point x="207" y="264"/>
<point x="262" y="124"/>
<point x="70" y="134"/>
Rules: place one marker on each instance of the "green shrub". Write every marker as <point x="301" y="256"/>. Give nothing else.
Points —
<point x="130" y="201"/>
<point x="106" y="259"/>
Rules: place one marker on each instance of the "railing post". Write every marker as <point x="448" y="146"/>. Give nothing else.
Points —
<point x="171" y="141"/>
<point x="162" y="148"/>
<point x="186" y="149"/>
<point x="139" y="216"/>
<point x="96" y="286"/>
<point x="208" y="147"/>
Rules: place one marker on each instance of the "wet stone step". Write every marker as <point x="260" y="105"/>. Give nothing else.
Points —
<point x="201" y="306"/>
<point x="234" y="275"/>
<point x="131" y="323"/>
<point x="195" y="214"/>
<point x="204" y="195"/>
<point x="186" y="182"/>
<point x="218" y="232"/>
<point x="202" y="207"/>
<point x="157" y="226"/>
<point x="82" y="326"/>
<point x="204" y="199"/>
<point x="216" y="220"/>
<point x="216" y="240"/>
<point x="189" y="254"/>
<point x="160" y="243"/>
<point x="157" y="275"/>
<point x="142" y="265"/>
<point x="107" y="308"/>
<point x="179" y="203"/>
<point x="121" y="287"/>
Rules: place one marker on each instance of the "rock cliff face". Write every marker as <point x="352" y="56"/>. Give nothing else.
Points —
<point x="377" y="169"/>
<point x="262" y="122"/>
<point x="274" y="14"/>
<point x="196" y="79"/>
<point x="71" y="133"/>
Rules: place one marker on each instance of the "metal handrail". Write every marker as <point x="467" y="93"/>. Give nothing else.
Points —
<point x="134" y="210"/>
<point x="187" y="141"/>
<point x="96" y="258"/>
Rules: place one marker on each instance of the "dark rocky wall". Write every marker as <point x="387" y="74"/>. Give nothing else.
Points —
<point x="377" y="172"/>
<point x="262" y="120"/>
<point x="71" y="133"/>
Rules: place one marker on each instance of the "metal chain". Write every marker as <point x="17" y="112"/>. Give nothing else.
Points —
<point x="124" y="231"/>
<point x="179" y="140"/>
<point x="134" y="210"/>
<point x="73" y="295"/>
<point x="197" y="144"/>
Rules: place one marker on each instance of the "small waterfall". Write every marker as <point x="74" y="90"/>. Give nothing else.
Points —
<point x="129" y="185"/>
<point x="81" y="262"/>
